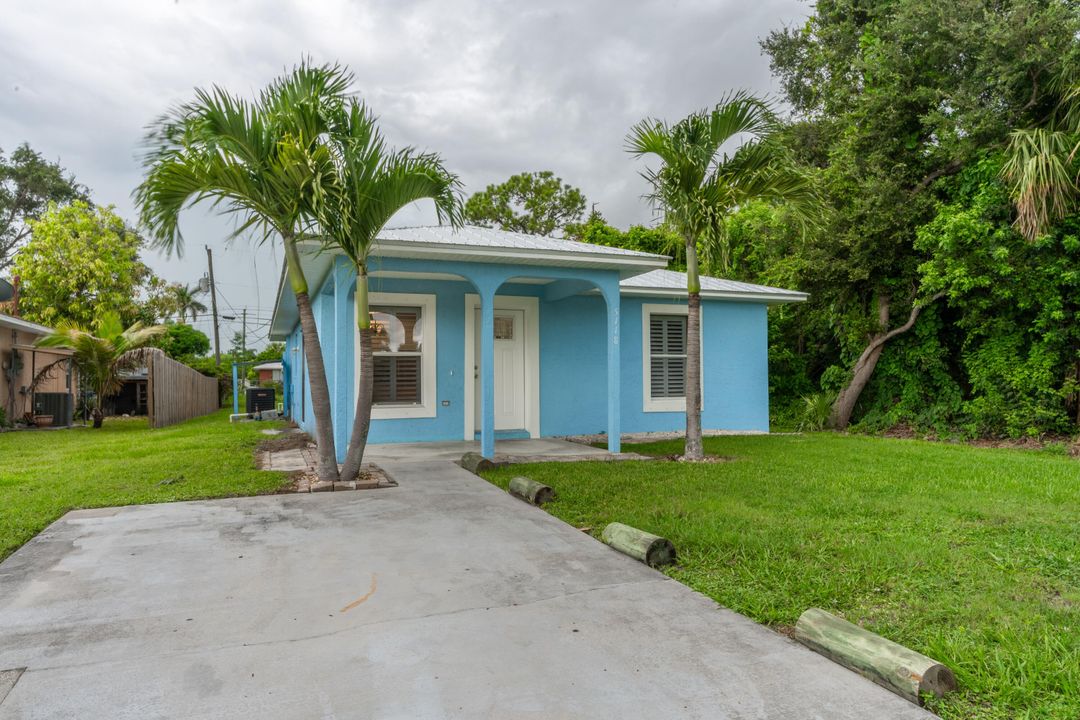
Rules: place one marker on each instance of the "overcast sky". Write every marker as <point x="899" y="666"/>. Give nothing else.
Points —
<point x="496" y="87"/>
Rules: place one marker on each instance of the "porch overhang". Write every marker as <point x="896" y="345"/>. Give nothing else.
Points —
<point x="318" y="264"/>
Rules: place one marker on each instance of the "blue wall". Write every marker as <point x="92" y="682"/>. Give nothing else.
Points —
<point x="573" y="364"/>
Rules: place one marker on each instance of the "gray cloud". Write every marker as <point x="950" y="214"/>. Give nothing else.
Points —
<point x="496" y="87"/>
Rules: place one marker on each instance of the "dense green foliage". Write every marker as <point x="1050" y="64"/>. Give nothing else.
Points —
<point x="28" y="183"/>
<point x="968" y="555"/>
<point x="183" y="342"/>
<point x="80" y="261"/>
<point x="45" y="474"/>
<point x="658" y="240"/>
<point x="534" y="203"/>
<point x="903" y="112"/>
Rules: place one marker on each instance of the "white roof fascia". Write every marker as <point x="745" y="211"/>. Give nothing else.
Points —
<point x="772" y="298"/>
<point x="15" y="323"/>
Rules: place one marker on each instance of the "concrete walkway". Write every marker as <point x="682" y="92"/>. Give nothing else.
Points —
<point x="441" y="598"/>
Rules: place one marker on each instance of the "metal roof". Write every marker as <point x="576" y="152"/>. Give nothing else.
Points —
<point x="474" y="236"/>
<point x="488" y="245"/>
<point x="669" y="282"/>
<point x="641" y="273"/>
<point x="15" y="323"/>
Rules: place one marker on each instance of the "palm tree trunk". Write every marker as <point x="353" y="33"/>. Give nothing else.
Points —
<point x="354" y="458"/>
<point x="327" y="469"/>
<point x="97" y="411"/>
<point x="694" y="450"/>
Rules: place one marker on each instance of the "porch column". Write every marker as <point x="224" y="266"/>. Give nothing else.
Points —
<point x="487" y="371"/>
<point x="614" y="364"/>
<point x="342" y="400"/>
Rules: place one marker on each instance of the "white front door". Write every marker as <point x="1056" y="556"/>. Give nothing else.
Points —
<point x="509" y="370"/>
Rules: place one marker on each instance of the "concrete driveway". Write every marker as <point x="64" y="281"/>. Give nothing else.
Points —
<point x="443" y="597"/>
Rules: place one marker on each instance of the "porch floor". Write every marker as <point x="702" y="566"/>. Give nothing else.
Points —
<point x="540" y="448"/>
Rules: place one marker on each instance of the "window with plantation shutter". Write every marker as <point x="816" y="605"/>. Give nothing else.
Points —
<point x="398" y="347"/>
<point x="667" y="356"/>
<point x="663" y="357"/>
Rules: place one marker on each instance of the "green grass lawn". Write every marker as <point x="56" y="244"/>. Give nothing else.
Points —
<point x="971" y="556"/>
<point x="45" y="473"/>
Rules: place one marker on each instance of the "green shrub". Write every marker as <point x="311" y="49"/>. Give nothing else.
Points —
<point x="816" y="410"/>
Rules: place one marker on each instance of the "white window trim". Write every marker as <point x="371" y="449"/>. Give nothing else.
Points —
<point x="531" y="306"/>
<point x="428" y="407"/>
<point x="648" y="402"/>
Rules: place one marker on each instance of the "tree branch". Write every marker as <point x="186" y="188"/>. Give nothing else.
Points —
<point x="1034" y="75"/>
<point x="951" y="169"/>
<point x="915" y="310"/>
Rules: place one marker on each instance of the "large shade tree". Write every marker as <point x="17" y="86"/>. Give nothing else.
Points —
<point x="371" y="183"/>
<point x="536" y="203"/>
<point x="892" y="101"/>
<point x="263" y="162"/>
<point x="28" y="185"/>
<point x="79" y="260"/>
<point x="697" y="185"/>
<point x="101" y="353"/>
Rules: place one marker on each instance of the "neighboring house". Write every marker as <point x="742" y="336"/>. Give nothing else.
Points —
<point x="268" y="372"/>
<point x="133" y="396"/>
<point x="20" y="362"/>
<point x="577" y="339"/>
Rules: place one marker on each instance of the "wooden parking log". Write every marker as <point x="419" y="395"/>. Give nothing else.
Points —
<point x="531" y="491"/>
<point x="475" y="462"/>
<point x="889" y="664"/>
<point x="650" y="549"/>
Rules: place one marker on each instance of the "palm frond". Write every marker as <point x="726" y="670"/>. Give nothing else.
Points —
<point x="254" y="160"/>
<point x="1042" y="172"/>
<point x="100" y="354"/>
<point x="364" y="184"/>
<point x="697" y="185"/>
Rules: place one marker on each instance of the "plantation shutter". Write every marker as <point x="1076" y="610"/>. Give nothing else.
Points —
<point x="667" y="356"/>
<point x="398" y="352"/>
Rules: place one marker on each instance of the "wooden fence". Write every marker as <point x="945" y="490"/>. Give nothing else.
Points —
<point x="176" y="392"/>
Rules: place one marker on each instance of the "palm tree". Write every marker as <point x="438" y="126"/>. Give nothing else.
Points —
<point x="102" y="353"/>
<point x="184" y="301"/>
<point x="1042" y="166"/>
<point x="263" y="162"/>
<point x="370" y="185"/>
<point x="697" y="186"/>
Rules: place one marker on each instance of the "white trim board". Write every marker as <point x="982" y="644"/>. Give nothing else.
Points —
<point x="531" y="306"/>
<point x="428" y="407"/>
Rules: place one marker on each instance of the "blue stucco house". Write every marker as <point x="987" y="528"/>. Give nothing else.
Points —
<point x="482" y="333"/>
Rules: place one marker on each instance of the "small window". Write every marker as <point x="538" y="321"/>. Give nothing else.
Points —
<point x="398" y="354"/>
<point x="667" y="356"/>
<point x="504" y="327"/>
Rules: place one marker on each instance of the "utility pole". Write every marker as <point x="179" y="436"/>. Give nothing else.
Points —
<point x="243" y="337"/>
<point x="213" y="307"/>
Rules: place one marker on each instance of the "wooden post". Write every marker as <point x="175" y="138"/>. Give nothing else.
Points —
<point x="531" y="491"/>
<point x="650" y="549"/>
<point x="893" y="666"/>
<point x="213" y="307"/>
